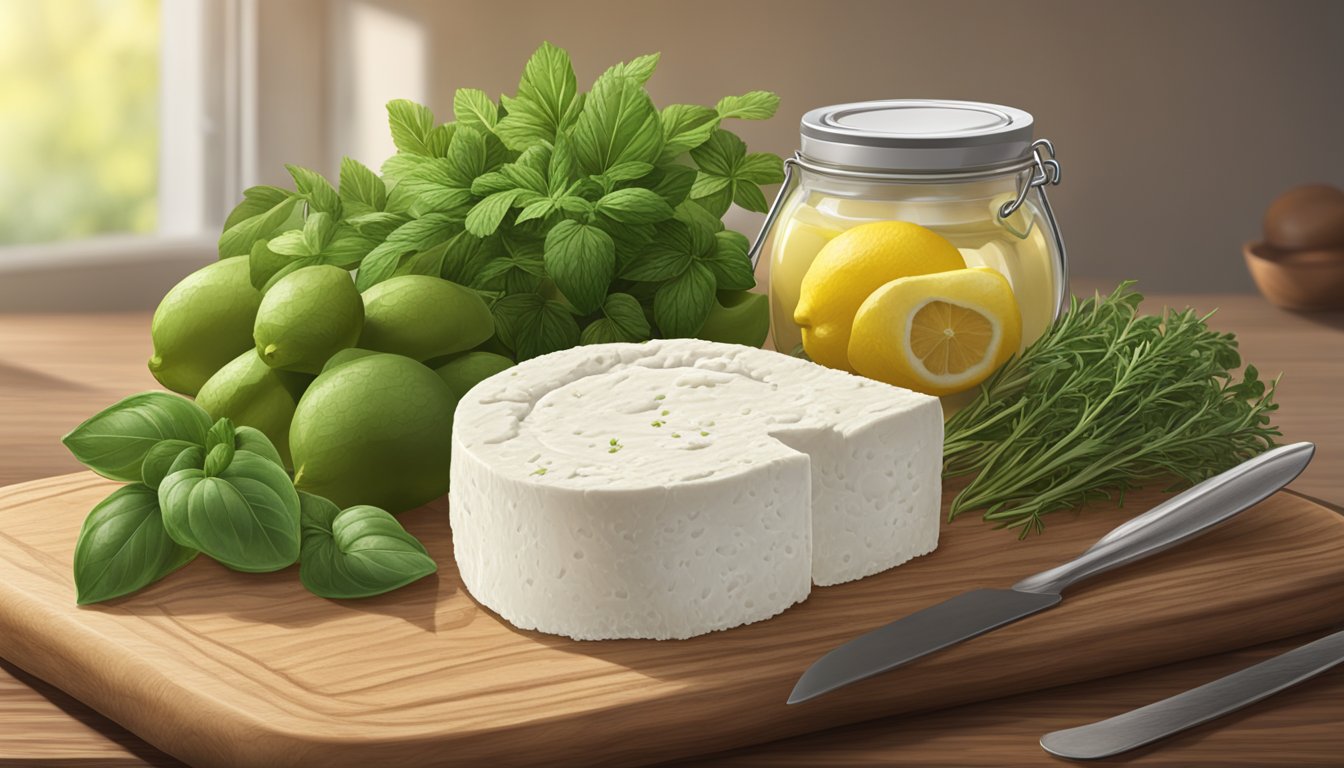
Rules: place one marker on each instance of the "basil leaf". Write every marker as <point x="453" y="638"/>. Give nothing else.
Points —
<point x="314" y="188"/>
<point x="485" y="216"/>
<point x="756" y="105"/>
<point x="639" y="69"/>
<point x="582" y="260"/>
<point x="397" y="167"/>
<point x="359" y="552"/>
<point x="432" y="186"/>
<point x="760" y="168"/>
<point x="411" y="125"/>
<point x="681" y="305"/>
<point x="440" y="139"/>
<point x="634" y="205"/>
<point x="618" y="124"/>
<point x="520" y="272"/>
<point x="465" y="255"/>
<point x="255" y="441"/>
<point x="123" y="546"/>
<point x="473" y="153"/>
<point x="547" y="94"/>
<point x="685" y="127"/>
<point x="560" y="169"/>
<point x="729" y="262"/>
<point x="114" y="441"/>
<point x="530" y="325"/>
<point x="672" y="182"/>
<point x="415" y="235"/>
<point x="749" y="196"/>
<point x="376" y="226"/>
<point x="238" y="239"/>
<point x="622" y="320"/>
<point x="668" y="256"/>
<point x="256" y="200"/>
<point x="361" y="191"/>
<point x="218" y="459"/>
<point x="474" y="109"/>
<point x="246" y="517"/>
<point x="160" y="459"/>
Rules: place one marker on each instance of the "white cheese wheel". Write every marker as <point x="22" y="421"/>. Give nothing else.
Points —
<point x="677" y="487"/>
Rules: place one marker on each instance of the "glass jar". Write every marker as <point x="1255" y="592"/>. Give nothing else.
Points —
<point x="965" y="170"/>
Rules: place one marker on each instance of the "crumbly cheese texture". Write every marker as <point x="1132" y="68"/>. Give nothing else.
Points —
<point x="676" y="487"/>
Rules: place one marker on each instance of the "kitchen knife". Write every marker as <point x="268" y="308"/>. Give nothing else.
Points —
<point x="1200" y="705"/>
<point x="1172" y="522"/>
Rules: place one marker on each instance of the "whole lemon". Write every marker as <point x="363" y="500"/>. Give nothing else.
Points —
<point x="850" y="267"/>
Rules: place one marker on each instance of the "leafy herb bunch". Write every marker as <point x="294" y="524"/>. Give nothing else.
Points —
<point x="219" y="490"/>
<point x="582" y="217"/>
<point x="1106" y="401"/>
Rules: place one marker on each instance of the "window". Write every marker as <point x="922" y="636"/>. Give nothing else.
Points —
<point x="120" y="123"/>
<point x="79" y="86"/>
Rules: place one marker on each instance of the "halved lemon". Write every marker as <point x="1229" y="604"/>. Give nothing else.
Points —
<point x="939" y="334"/>
<point x="850" y="267"/>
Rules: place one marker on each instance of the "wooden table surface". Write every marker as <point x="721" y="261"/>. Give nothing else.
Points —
<point x="56" y="370"/>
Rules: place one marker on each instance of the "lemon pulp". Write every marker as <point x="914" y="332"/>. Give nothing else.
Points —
<point x="948" y="338"/>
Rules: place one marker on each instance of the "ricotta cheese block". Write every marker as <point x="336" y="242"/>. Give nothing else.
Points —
<point x="675" y="487"/>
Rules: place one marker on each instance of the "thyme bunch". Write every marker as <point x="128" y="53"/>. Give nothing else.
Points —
<point x="1106" y="401"/>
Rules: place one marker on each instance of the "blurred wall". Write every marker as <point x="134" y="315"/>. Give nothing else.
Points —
<point x="1176" y="122"/>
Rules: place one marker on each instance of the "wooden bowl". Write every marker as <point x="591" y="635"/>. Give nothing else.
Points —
<point x="1303" y="280"/>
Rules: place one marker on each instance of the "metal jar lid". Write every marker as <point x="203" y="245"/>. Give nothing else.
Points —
<point x="916" y="135"/>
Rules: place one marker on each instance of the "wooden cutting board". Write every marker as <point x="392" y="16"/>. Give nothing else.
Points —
<point x="221" y="668"/>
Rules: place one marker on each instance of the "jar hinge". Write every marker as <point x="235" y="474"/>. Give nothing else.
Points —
<point x="755" y="253"/>
<point x="1047" y="172"/>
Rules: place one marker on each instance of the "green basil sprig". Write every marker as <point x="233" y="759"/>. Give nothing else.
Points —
<point x="240" y="508"/>
<point x="123" y="546"/>
<point x="115" y="441"/>
<point x="223" y="491"/>
<point x="358" y="552"/>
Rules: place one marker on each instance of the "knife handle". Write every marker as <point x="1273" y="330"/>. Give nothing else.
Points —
<point x="1180" y="518"/>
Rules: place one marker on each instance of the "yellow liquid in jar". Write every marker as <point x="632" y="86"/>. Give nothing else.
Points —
<point x="1018" y="249"/>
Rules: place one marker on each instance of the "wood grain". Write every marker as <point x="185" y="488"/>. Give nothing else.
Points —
<point x="56" y="369"/>
<point x="1299" y="727"/>
<point x="273" y="676"/>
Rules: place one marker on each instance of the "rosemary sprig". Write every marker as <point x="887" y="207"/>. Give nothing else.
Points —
<point x="1106" y="401"/>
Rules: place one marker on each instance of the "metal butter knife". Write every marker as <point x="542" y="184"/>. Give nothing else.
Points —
<point x="973" y="613"/>
<point x="1145" y="725"/>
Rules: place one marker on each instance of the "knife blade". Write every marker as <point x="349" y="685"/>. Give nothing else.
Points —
<point x="1210" y="701"/>
<point x="1174" y="521"/>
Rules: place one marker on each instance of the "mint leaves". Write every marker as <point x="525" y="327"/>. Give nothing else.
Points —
<point x="549" y="201"/>
<point x="217" y="490"/>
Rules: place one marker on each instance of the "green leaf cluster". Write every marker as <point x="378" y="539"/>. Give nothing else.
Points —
<point x="572" y="212"/>
<point x="1108" y="400"/>
<point x="219" y="490"/>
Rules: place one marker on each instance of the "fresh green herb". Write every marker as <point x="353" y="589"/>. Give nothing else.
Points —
<point x="358" y="552"/>
<point x="539" y="471"/>
<point x="240" y="509"/>
<point x="656" y="423"/>
<point x="1106" y="401"/>
<point x="115" y="441"/>
<point x="676" y="434"/>
<point x="223" y="491"/>
<point x="584" y="218"/>
<point x="123" y="546"/>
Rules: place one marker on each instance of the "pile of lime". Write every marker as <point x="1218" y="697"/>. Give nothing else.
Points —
<point x="356" y="391"/>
